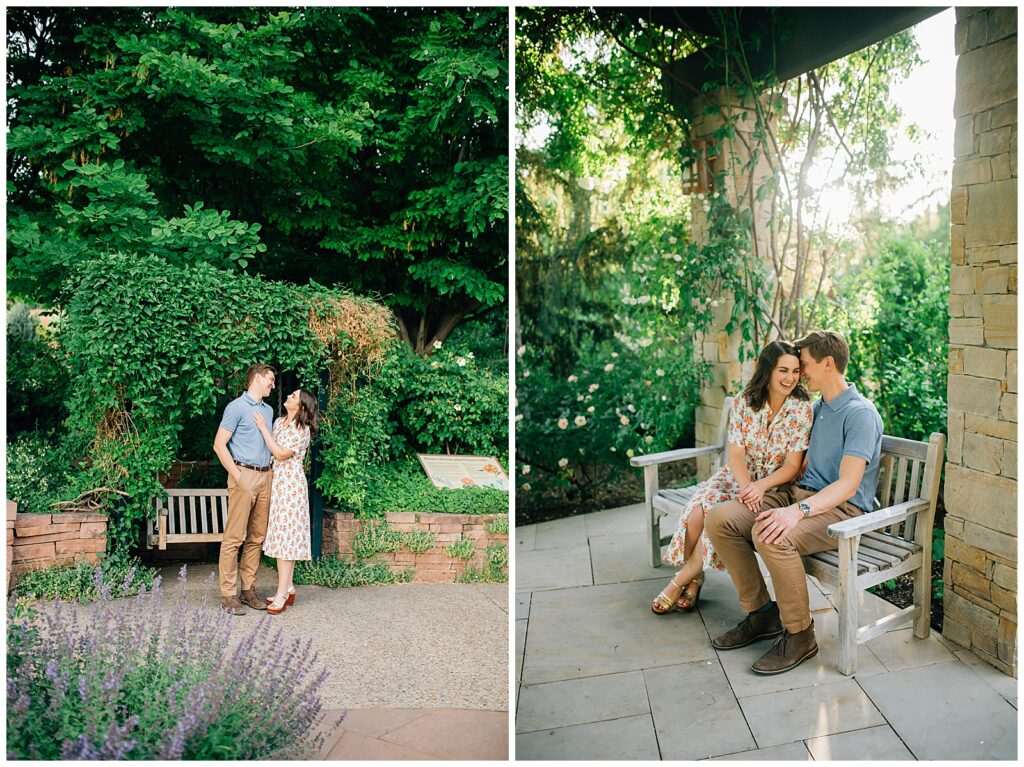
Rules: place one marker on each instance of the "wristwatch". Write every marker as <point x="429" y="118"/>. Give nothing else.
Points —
<point x="805" y="508"/>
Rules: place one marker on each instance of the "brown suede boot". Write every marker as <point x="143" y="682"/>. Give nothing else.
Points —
<point x="232" y="605"/>
<point x="789" y="651"/>
<point x="251" y="599"/>
<point x="752" y="628"/>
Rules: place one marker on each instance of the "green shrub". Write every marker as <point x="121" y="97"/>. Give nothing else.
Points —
<point x="496" y="569"/>
<point x="37" y="472"/>
<point x="37" y="380"/>
<point x="334" y="572"/>
<point x="375" y="537"/>
<point x="81" y="582"/>
<point x="617" y="401"/>
<point x="464" y="548"/>
<point x="403" y="486"/>
<point x="499" y="525"/>
<point x="471" y="574"/>
<point x="419" y="541"/>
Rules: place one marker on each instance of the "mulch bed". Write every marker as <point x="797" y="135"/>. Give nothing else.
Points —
<point x="902" y="594"/>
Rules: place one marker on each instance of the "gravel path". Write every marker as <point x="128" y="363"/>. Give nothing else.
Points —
<point x="406" y="645"/>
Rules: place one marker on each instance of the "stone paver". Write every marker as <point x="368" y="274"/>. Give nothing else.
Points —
<point x="784" y="717"/>
<point x="790" y="752"/>
<point x="942" y="711"/>
<point x="874" y="744"/>
<point x="553" y="568"/>
<point x="522" y="605"/>
<point x="419" y="734"/>
<point x="579" y="701"/>
<point x="628" y="739"/>
<point x="587" y="644"/>
<point x="695" y="715"/>
<point x="598" y="630"/>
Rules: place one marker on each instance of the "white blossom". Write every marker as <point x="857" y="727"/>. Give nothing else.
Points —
<point x="609" y="367"/>
<point x="630" y="453"/>
<point x="580" y="420"/>
<point x="592" y="388"/>
<point x="519" y="418"/>
<point x="526" y="374"/>
<point x="572" y="379"/>
<point x="624" y="421"/>
<point x="563" y="462"/>
<point x="648" y="439"/>
<point x="458" y="408"/>
<point x="525" y="486"/>
<point x="563" y="423"/>
<point x="659" y="372"/>
<point x="461" y="362"/>
<point x="590" y="409"/>
<point x="526" y="468"/>
<point x="631" y="407"/>
<point x="437" y="344"/>
<point x="520" y="351"/>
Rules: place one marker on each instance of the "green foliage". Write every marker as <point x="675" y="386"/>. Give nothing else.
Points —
<point x="37" y="472"/>
<point x="894" y="312"/>
<point x="341" y="145"/>
<point x="464" y="548"/>
<point x="471" y="574"/>
<point x="499" y="525"/>
<point x="616" y="402"/>
<point x="36" y="378"/>
<point x="419" y="541"/>
<point x="496" y="569"/>
<point x="80" y="582"/>
<point x="150" y="344"/>
<point x="334" y="572"/>
<point x="375" y="537"/>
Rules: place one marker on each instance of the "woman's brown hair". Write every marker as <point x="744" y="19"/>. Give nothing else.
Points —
<point x="308" y="414"/>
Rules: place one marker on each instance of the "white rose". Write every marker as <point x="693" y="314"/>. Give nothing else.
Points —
<point x="563" y="424"/>
<point x="609" y="367"/>
<point x="631" y="408"/>
<point x="437" y="344"/>
<point x="648" y="439"/>
<point x="526" y="374"/>
<point x="630" y="453"/>
<point x="519" y="418"/>
<point x="520" y="351"/>
<point x="580" y="420"/>
<point x="462" y="362"/>
<point x="572" y="379"/>
<point x="659" y="372"/>
<point x="592" y="388"/>
<point x="526" y="468"/>
<point x="563" y="462"/>
<point x="458" y="408"/>
<point x="590" y="409"/>
<point x="525" y="487"/>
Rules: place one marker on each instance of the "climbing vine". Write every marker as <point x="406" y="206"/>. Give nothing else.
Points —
<point x="149" y="344"/>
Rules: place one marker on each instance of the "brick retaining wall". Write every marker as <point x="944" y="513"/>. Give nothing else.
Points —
<point x="432" y="566"/>
<point x="40" y="540"/>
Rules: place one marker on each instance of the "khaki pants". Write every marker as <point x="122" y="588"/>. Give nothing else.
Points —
<point x="731" y="528"/>
<point x="248" y="513"/>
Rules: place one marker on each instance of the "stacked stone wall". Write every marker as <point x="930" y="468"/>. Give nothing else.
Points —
<point x="432" y="566"/>
<point x="981" y="471"/>
<point x="35" y="541"/>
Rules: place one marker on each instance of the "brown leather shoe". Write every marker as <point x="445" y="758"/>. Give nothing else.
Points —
<point x="251" y="599"/>
<point x="232" y="605"/>
<point x="752" y="628"/>
<point x="789" y="651"/>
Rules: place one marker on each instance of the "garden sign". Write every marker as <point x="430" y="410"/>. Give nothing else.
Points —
<point x="453" y="471"/>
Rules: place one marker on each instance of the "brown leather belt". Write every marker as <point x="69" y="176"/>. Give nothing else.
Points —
<point x="250" y="466"/>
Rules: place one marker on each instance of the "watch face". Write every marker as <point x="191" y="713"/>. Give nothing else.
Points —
<point x="805" y="508"/>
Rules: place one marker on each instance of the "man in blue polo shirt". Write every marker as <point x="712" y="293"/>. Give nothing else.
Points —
<point x="843" y="461"/>
<point x="244" y="454"/>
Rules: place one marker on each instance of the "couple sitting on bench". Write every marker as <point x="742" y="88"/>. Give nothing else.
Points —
<point x="760" y="502"/>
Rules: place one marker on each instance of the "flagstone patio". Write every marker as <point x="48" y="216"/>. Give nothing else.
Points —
<point x="598" y="676"/>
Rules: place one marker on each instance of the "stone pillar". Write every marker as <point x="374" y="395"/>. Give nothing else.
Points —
<point x="719" y="348"/>
<point x="981" y="471"/>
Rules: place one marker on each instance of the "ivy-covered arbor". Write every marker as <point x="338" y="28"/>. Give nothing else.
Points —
<point x="151" y="347"/>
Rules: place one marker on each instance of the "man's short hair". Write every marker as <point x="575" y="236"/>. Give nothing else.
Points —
<point x="257" y="370"/>
<point x="826" y="343"/>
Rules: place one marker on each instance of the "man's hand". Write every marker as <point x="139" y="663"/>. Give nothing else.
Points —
<point x="776" y="523"/>
<point x="260" y="423"/>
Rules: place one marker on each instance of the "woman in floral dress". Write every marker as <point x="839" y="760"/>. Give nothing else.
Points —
<point x="288" y="529"/>
<point x="769" y="428"/>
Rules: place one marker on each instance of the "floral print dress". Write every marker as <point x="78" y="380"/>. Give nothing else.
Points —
<point x="766" y="446"/>
<point x="288" y="528"/>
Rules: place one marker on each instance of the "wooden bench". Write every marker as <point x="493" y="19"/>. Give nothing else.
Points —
<point x="188" y="515"/>
<point x="893" y="540"/>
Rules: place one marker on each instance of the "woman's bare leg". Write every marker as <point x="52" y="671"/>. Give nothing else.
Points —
<point x="285" y="569"/>
<point x="694" y="561"/>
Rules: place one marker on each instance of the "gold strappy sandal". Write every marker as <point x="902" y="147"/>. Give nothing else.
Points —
<point x="663" y="603"/>
<point x="688" y="599"/>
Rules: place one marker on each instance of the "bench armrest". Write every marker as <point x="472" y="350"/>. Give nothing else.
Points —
<point x="671" y="456"/>
<point x="876" y="520"/>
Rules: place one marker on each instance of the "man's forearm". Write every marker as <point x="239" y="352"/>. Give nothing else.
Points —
<point x="830" y="496"/>
<point x="224" y="455"/>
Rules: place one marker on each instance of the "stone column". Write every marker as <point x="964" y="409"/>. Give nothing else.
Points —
<point x="719" y="348"/>
<point x="980" y="573"/>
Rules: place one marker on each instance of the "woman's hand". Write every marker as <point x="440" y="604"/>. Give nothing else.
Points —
<point x="260" y="423"/>
<point x="752" y="495"/>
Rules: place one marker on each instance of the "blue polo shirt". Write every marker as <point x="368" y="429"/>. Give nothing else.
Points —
<point x="848" y="425"/>
<point x="247" y="444"/>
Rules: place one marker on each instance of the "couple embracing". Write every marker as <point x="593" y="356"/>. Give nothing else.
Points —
<point x="770" y="500"/>
<point x="268" y="498"/>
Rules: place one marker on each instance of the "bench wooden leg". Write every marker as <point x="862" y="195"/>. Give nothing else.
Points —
<point x="162" y="522"/>
<point x="848" y="593"/>
<point x="653" y="521"/>
<point x="923" y="601"/>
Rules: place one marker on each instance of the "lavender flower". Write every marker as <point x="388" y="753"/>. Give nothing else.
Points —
<point x="152" y="678"/>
